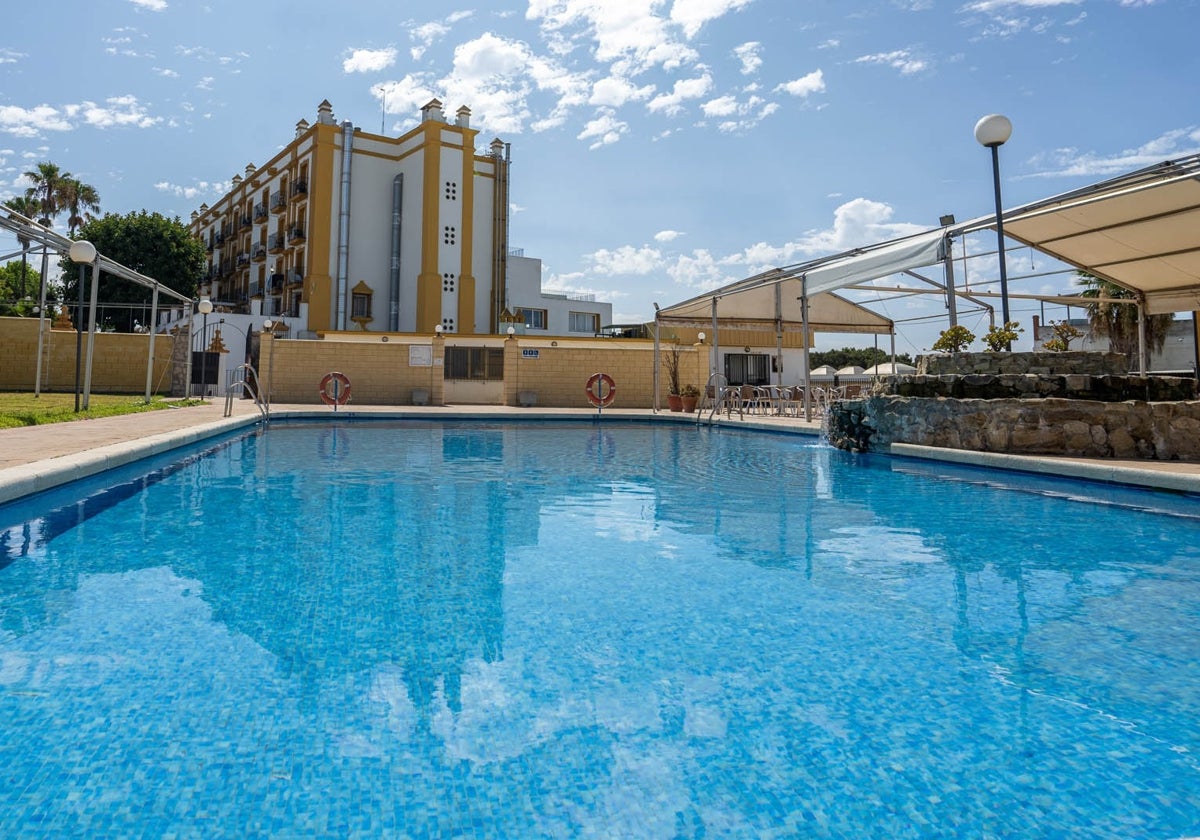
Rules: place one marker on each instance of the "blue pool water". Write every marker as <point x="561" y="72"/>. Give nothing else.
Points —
<point x="570" y="630"/>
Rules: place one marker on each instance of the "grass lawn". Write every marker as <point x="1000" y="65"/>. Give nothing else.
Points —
<point x="24" y="409"/>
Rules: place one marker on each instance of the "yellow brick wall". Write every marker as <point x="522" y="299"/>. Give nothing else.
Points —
<point x="118" y="361"/>
<point x="380" y="374"/>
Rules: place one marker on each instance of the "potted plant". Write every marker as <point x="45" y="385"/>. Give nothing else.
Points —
<point x="954" y="340"/>
<point x="671" y="363"/>
<point x="688" y="397"/>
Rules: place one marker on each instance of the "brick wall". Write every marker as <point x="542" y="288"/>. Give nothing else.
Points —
<point x="118" y="361"/>
<point x="556" y="370"/>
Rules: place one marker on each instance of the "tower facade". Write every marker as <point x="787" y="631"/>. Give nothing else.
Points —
<point x="349" y="230"/>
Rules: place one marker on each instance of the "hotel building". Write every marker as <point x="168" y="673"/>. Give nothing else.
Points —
<point x="348" y="230"/>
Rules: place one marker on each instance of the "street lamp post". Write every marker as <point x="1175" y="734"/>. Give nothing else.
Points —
<point x="993" y="132"/>
<point x="81" y="253"/>
<point x="269" y="327"/>
<point x="204" y="306"/>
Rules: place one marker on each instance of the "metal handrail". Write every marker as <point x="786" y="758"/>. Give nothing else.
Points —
<point x="239" y="383"/>
<point x="719" y="386"/>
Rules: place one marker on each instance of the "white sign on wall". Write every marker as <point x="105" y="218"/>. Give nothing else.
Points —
<point x="420" y="355"/>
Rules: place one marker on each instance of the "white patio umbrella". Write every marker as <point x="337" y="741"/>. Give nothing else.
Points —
<point x="853" y="370"/>
<point x="823" y="370"/>
<point x="889" y="367"/>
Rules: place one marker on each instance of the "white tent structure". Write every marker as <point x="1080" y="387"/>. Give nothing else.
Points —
<point x="1140" y="230"/>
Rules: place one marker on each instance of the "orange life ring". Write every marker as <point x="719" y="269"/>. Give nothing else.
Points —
<point x="339" y="394"/>
<point x="598" y="396"/>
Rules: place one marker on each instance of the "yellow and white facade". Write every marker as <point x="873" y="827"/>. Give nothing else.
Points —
<point x="348" y="230"/>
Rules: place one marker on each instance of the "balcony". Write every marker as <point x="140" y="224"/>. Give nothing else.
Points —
<point x="300" y="190"/>
<point x="275" y="242"/>
<point x="276" y="285"/>
<point x="245" y="221"/>
<point x="295" y="234"/>
<point x="278" y="202"/>
<point x="295" y="279"/>
<point x="260" y="212"/>
<point x="243" y="259"/>
<point x="259" y="253"/>
<point x="220" y="238"/>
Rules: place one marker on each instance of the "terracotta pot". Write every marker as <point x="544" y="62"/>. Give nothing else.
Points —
<point x="675" y="402"/>
<point x="689" y="404"/>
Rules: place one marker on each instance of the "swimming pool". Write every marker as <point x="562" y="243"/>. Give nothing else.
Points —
<point x="571" y="630"/>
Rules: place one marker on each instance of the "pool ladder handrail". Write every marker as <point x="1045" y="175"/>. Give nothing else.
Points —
<point x="719" y="387"/>
<point x="238" y="383"/>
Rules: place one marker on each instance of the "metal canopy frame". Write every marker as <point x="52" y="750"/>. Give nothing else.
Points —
<point x="25" y="228"/>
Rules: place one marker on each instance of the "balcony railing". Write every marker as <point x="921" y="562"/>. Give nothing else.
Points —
<point x="276" y="284"/>
<point x="243" y="259"/>
<point x="278" y="202"/>
<point x="275" y="242"/>
<point x="245" y="221"/>
<point x="295" y="234"/>
<point x="295" y="278"/>
<point x="300" y="189"/>
<point x="259" y="253"/>
<point x="260" y="211"/>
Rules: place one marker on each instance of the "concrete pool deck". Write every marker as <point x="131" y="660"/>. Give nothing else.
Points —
<point x="35" y="458"/>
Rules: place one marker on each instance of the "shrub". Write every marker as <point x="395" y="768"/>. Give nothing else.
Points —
<point x="1000" y="338"/>
<point x="1064" y="334"/>
<point x="954" y="340"/>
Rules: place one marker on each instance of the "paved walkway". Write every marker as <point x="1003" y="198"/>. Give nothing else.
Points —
<point x="37" y="457"/>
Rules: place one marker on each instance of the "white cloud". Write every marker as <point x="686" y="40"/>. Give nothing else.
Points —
<point x="814" y="82"/>
<point x="614" y="92"/>
<point x="829" y="45"/>
<point x="606" y="128"/>
<point x="1072" y="163"/>
<point x="901" y="60"/>
<point x="747" y="53"/>
<point x="369" y="61"/>
<point x="628" y="34"/>
<point x="166" y="72"/>
<point x="197" y="190"/>
<point x="30" y="122"/>
<point x="626" y="260"/>
<point x="693" y="14"/>
<point x="684" y="89"/>
<point x="117" y="112"/>
<point x="748" y="114"/>
<point x="722" y="106"/>
<point x="152" y="5"/>
<point x="205" y="83"/>
<point x="994" y="5"/>
<point x="667" y="235"/>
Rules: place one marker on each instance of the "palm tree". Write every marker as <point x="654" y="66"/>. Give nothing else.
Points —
<point x="79" y="200"/>
<point x="28" y="208"/>
<point x="47" y="181"/>
<point x="1118" y="322"/>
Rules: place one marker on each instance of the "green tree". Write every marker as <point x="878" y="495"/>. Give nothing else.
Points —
<point x="150" y="244"/>
<point x="47" y="181"/>
<point x="954" y="339"/>
<point x="79" y="200"/>
<point x="1118" y="322"/>
<point x="863" y="357"/>
<point x="28" y="208"/>
<point x="13" y="294"/>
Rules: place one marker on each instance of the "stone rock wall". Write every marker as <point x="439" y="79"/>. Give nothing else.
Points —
<point x="1101" y="388"/>
<point x="1132" y="429"/>
<point x="1093" y="363"/>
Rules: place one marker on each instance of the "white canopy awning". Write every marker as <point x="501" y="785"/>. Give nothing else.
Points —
<point x="753" y="309"/>
<point x="1140" y="231"/>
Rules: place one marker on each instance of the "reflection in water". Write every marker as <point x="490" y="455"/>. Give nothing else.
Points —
<point x="567" y="630"/>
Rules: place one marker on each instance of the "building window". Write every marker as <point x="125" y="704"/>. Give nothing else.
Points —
<point x="474" y="363"/>
<point x="584" y="322"/>
<point x="748" y="368"/>
<point x="360" y="304"/>
<point x="535" y="319"/>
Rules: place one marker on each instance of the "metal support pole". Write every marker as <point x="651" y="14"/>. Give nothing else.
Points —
<point x="948" y="266"/>
<point x="1143" y="366"/>
<point x="203" y="357"/>
<point x="37" y="378"/>
<point x="78" y="337"/>
<point x="87" y="376"/>
<point x="150" y="350"/>
<point x="657" y="327"/>
<point x="804" y="349"/>
<point x="1000" y="239"/>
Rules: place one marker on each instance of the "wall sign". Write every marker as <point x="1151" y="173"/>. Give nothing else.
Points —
<point x="420" y="355"/>
<point x="529" y="353"/>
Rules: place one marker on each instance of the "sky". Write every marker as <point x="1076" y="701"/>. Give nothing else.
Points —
<point x="660" y="148"/>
